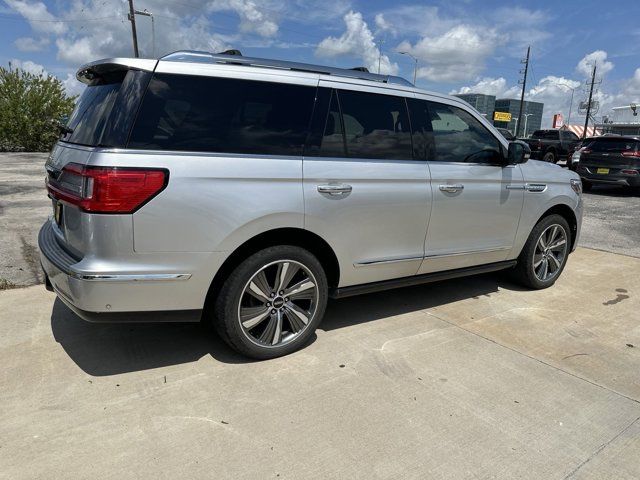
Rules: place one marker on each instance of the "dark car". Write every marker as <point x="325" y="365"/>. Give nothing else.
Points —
<point x="506" y="134"/>
<point x="552" y="145"/>
<point x="609" y="160"/>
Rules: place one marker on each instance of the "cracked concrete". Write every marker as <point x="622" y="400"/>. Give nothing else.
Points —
<point x="472" y="378"/>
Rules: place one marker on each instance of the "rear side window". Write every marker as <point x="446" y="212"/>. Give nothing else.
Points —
<point x="459" y="137"/>
<point x="551" y="135"/>
<point x="375" y="126"/>
<point x="424" y="146"/>
<point x="105" y="111"/>
<point x="190" y="113"/>
<point x="566" y="135"/>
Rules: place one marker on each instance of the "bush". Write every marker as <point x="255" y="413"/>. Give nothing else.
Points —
<point x="31" y="106"/>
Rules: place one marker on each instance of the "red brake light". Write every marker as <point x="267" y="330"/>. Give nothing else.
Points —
<point x="631" y="153"/>
<point x="107" y="189"/>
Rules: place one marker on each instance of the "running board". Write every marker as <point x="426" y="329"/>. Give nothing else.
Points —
<point x="418" y="279"/>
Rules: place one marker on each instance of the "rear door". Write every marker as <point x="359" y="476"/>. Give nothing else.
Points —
<point x="477" y="200"/>
<point x="364" y="193"/>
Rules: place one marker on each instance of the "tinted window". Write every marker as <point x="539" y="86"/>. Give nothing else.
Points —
<point x="332" y="142"/>
<point x="570" y="136"/>
<point x="182" y="112"/>
<point x="548" y="134"/>
<point x="459" y="137"/>
<point x="613" y="145"/>
<point x="375" y="126"/>
<point x="105" y="110"/>
<point x="422" y="133"/>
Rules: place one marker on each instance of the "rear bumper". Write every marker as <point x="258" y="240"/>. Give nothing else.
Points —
<point x="614" y="179"/>
<point x="108" y="297"/>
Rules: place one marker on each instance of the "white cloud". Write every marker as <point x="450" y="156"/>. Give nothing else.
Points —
<point x="491" y="86"/>
<point x="38" y="16"/>
<point x="599" y="58"/>
<point x="72" y="85"/>
<point x="30" y="44"/>
<point x="458" y="54"/>
<point x="28" y="66"/>
<point x="252" y="18"/>
<point x="383" y="25"/>
<point x="357" y="40"/>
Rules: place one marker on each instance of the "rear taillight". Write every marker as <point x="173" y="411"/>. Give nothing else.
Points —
<point x="631" y="153"/>
<point x="629" y="172"/>
<point x="107" y="189"/>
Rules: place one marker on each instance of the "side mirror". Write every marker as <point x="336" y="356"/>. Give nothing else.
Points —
<point x="519" y="152"/>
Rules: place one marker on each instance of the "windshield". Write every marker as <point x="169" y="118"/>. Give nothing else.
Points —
<point x="104" y="112"/>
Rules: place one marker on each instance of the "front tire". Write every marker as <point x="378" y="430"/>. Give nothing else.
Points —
<point x="271" y="304"/>
<point x="545" y="253"/>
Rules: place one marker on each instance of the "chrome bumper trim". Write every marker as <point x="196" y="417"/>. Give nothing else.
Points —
<point x="149" y="277"/>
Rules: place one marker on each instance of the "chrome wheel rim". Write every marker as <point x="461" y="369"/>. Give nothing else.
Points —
<point x="278" y="303"/>
<point x="550" y="253"/>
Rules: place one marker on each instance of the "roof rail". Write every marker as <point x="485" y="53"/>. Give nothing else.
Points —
<point x="194" y="56"/>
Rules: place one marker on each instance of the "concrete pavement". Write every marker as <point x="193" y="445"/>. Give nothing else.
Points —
<point x="472" y="378"/>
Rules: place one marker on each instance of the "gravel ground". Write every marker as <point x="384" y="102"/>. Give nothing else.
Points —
<point x="611" y="221"/>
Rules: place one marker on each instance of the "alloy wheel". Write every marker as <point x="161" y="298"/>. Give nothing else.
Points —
<point x="550" y="253"/>
<point x="278" y="303"/>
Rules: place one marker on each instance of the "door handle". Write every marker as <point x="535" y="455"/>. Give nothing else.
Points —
<point x="452" y="188"/>
<point x="335" y="189"/>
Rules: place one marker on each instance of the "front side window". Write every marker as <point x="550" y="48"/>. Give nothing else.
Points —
<point x="375" y="126"/>
<point x="459" y="137"/>
<point x="190" y="113"/>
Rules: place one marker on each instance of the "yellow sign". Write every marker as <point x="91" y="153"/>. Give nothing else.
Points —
<point x="502" y="116"/>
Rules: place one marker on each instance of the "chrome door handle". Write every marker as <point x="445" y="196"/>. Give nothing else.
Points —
<point x="335" y="189"/>
<point x="451" y="188"/>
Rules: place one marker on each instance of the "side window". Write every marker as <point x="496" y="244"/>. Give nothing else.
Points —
<point x="552" y="135"/>
<point x="332" y="143"/>
<point x="375" y="126"/>
<point x="191" y="113"/>
<point x="421" y="131"/>
<point x="459" y="137"/>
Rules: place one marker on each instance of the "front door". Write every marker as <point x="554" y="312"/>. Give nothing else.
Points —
<point x="477" y="200"/>
<point x="364" y="194"/>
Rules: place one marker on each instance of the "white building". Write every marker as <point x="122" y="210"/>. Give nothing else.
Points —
<point x="623" y="120"/>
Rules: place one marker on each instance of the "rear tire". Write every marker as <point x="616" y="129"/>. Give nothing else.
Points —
<point x="550" y="157"/>
<point x="545" y="253"/>
<point x="271" y="304"/>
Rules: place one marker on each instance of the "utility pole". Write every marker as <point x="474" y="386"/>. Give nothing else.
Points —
<point x="586" y="120"/>
<point x="132" y="19"/>
<point x="380" y="43"/>
<point x="524" y="86"/>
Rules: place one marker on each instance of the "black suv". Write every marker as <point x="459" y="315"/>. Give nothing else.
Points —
<point x="609" y="160"/>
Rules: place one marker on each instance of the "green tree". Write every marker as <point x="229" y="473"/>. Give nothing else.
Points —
<point x="31" y="106"/>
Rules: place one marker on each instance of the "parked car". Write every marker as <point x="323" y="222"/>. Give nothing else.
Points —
<point x="245" y="192"/>
<point x="552" y="145"/>
<point x="507" y="134"/>
<point x="613" y="160"/>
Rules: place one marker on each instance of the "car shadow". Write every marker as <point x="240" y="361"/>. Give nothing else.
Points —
<point x="111" y="349"/>
<point x="611" y="191"/>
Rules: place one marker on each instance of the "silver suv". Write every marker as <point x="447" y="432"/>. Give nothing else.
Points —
<point x="244" y="192"/>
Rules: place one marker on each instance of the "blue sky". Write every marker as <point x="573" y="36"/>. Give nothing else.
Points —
<point x="461" y="45"/>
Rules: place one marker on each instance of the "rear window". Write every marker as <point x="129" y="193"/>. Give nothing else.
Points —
<point x="190" y="113"/>
<point x="104" y="112"/>
<point x="547" y="134"/>
<point x="613" y="145"/>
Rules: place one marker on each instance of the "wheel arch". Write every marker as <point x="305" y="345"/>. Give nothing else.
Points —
<point x="280" y="236"/>
<point x="568" y="214"/>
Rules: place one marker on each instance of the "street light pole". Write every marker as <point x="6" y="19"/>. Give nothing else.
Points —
<point x="146" y="13"/>
<point x="526" y="117"/>
<point x="573" y="90"/>
<point x="415" y="67"/>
